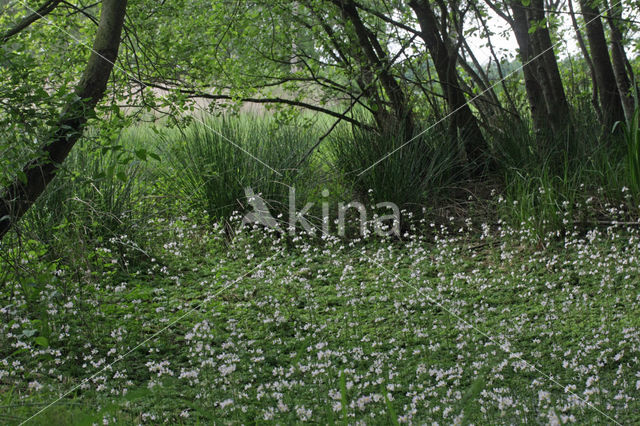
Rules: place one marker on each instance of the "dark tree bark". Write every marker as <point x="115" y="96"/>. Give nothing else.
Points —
<point x="549" y="106"/>
<point x="379" y="64"/>
<point x="42" y="11"/>
<point x="619" y="61"/>
<point x="607" y="87"/>
<point x="501" y="75"/>
<point x="556" y="100"/>
<point x="18" y="197"/>
<point x="445" y="59"/>
<point x="589" y="61"/>
<point x="520" y="26"/>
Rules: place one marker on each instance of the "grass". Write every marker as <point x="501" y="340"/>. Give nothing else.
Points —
<point x="461" y="320"/>
<point x="93" y="198"/>
<point x="213" y="162"/>
<point x="552" y="185"/>
<point x="440" y="328"/>
<point x="632" y="138"/>
<point x="415" y="175"/>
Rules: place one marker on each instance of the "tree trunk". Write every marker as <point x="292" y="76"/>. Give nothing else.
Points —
<point x="607" y="87"/>
<point x="619" y="59"/>
<point x="18" y="197"/>
<point x="549" y="106"/>
<point x="520" y="26"/>
<point x="587" y="58"/>
<point x="557" y="100"/>
<point x="444" y="60"/>
<point x="379" y="62"/>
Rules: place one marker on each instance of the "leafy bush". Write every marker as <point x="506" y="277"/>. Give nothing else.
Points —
<point x="98" y="194"/>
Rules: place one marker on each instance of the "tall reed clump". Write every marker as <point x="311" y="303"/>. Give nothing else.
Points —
<point x="540" y="199"/>
<point x="412" y="174"/>
<point x="213" y="162"/>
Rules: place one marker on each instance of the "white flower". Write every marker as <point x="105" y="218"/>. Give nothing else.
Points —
<point x="226" y="402"/>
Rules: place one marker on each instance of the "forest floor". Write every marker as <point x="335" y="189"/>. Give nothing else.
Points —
<point x="450" y="325"/>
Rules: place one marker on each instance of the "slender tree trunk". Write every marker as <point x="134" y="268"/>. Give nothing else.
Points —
<point x="520" y="26"/>
<point x="18" y="197"/>
<point x="48" y="7"/>
<point x="379" y="62"/>
<point x="549" y="106"/>
<point x="589" y="61"/>
<point x="619" y="60"/>
<point x="365" y="80"/>
<point x="478" y="74"/>
<point x="557" y="101"/>
<point x="444" y="60"/>
<point x="612" y="110"/>
<point x="503" y="83"/>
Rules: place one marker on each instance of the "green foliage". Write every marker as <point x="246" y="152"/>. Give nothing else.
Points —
<point x="371" y="331"/>
<point x="540" y="199"/>
<point x="213" y="162"/>
<point x="632" y="138"/>
<point x="416" y="174"/>
<point x="99" y="195"/>
<point x="551" y="184"/>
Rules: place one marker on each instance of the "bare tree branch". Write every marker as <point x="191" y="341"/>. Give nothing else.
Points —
<point x="275" y="100"/>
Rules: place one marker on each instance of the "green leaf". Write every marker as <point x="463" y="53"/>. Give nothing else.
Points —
<point x="42" y="341"/>
<point x="29" y="333"/>
<point x="393" y="417"/>
<point x="141" y="154"/>
<point x="343" y="397"/>
<point x="22" y="177"/>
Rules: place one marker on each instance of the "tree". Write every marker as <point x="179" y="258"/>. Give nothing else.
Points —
<point x="20" y="195"/>
<point x="444" y="56"/>
<point x="377" y="61"/>
<point x="621" y="67"/>
<point x="543" y="83"/>
<point x="607" y="88"/>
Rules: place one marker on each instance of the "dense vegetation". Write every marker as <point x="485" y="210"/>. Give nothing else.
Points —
<point x="133" y="289"/>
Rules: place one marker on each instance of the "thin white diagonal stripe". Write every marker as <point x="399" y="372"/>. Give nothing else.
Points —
<point x="429" y="298"/>
<point x="455" y="111"/>
<point x="153" y="336"/>
<point x="504" y="346"/>
<point x="50" y="22"/>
